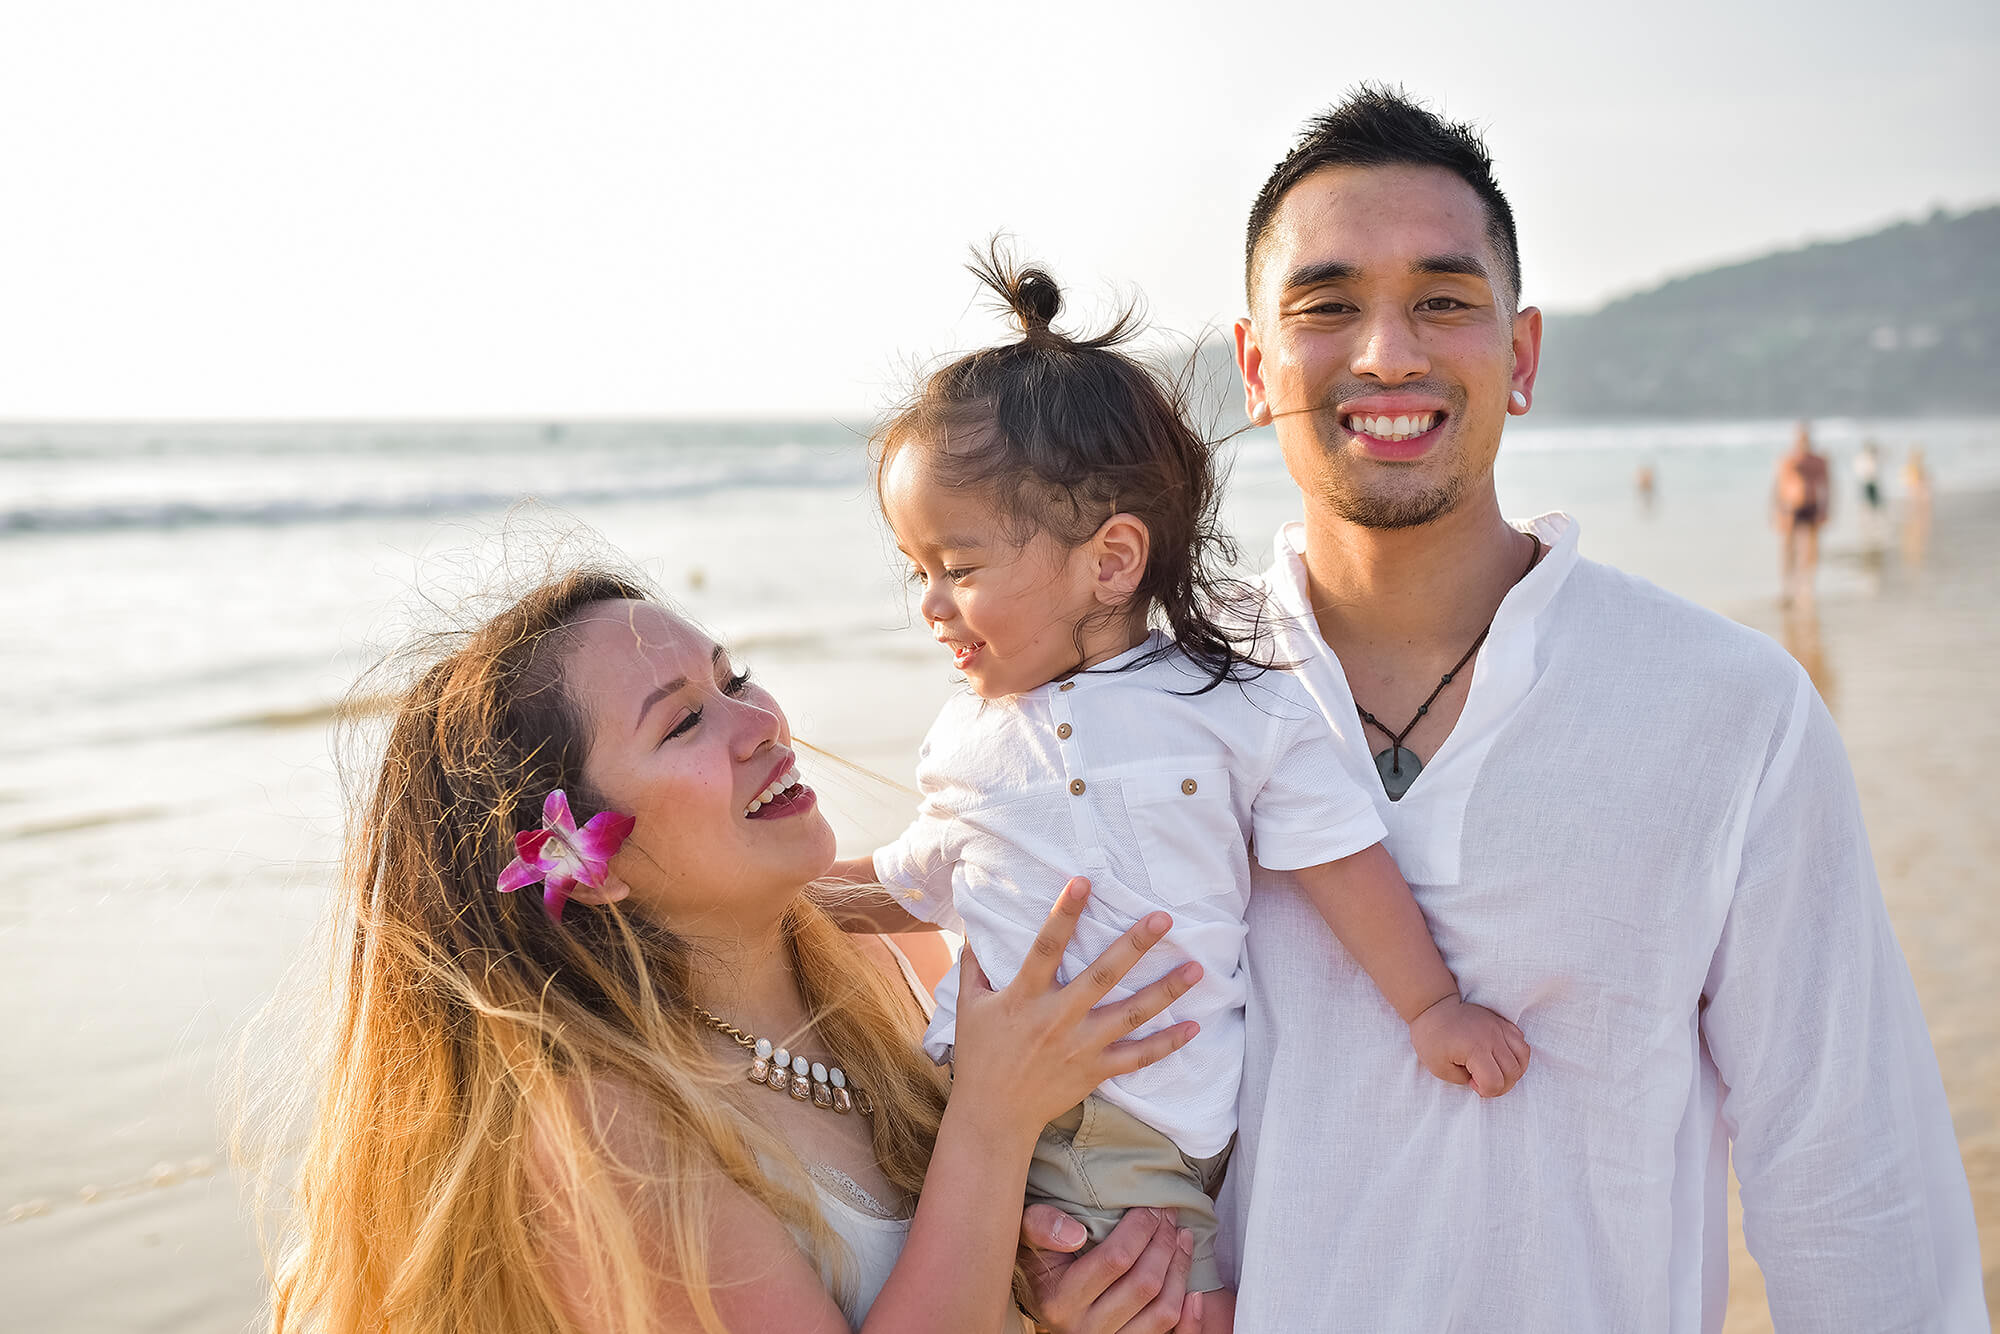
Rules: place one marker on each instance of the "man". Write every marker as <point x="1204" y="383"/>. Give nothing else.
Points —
<point x="1630" y="823"/>
<point x="1801" y="500"/>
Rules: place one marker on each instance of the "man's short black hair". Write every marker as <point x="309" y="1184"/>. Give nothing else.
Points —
<point x="1378" y="126"/>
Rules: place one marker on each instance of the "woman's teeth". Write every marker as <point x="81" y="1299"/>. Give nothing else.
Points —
<point x="782" y="783"/>
<point x="1394" y="428"/>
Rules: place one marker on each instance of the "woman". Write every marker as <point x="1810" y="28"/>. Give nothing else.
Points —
<point x="537" y="1115"/>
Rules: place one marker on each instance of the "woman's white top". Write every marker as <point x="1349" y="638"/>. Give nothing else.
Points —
<point x="1161" y="793"/>
<point x="1641" y="842"/>
<point x="873" y="1231"/>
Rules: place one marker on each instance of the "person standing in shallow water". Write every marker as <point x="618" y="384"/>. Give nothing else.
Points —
<point x="1801" y="501"/>
<point x="1868" y="474"/>
<point x="1706" y="969"/>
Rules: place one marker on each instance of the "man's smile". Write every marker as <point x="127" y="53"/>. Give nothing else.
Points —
<point x="1393" y="427"/>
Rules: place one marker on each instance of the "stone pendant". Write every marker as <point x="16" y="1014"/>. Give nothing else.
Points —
<point x="760" y="1064"/>
<point x="781" y="1070"/>
<point x="801" y="1079"/>
<point x="1399" y="768"/>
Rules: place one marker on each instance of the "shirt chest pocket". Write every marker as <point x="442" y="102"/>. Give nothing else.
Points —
<point x="1187" y="833"/>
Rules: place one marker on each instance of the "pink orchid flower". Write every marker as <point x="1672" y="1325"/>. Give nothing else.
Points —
<point x="559" y="856"/>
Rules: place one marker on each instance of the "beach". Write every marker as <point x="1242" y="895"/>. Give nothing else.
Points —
<point x="1903" y="671"/>
<point x="191" y="604"/>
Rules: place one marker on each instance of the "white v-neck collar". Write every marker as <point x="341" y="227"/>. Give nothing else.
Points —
<point x="1425" y="826"/>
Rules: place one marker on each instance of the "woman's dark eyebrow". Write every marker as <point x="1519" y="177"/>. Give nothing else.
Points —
<point x="677" y="684"/>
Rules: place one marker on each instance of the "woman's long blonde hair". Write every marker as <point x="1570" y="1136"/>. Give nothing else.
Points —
<point x="469" y="1032"/>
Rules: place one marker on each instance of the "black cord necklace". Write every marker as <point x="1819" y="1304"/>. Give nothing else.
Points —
<point x="1399" y="768"/>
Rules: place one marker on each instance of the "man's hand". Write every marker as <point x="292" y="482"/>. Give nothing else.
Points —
<point x="1135" y="1282"/>
<point x="1463" y="1043"/>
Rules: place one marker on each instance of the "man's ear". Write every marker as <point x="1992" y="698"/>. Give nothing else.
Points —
<point x="1527" y="341"/>
<point x="1250" y="365"/>
<point x="1119" y="552"/>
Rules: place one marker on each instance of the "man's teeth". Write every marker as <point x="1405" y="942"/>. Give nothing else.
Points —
<point x="1394" y="428"/>
<point x="789" y="778"/>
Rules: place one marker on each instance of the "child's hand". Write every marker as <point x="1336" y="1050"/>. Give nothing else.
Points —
<point x="1463" y="1043"/>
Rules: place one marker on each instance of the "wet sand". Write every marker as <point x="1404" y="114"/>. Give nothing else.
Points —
<point x="1906" y="669"/>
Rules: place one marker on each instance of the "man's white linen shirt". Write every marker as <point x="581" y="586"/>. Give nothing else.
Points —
<point x="1641" y="842"/>
<point x="1124" y="774"/>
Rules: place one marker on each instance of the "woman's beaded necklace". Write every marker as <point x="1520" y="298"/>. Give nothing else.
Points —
<point x="806" y="1081"/>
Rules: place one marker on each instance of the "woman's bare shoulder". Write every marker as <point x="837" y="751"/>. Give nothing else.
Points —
<point x="757" y="1277"/>
<point x="928" y="953"/>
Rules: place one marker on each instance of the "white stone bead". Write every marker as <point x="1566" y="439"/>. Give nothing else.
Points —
<point x="783" y="1060"/>
<point x="837" y="1077"/>
<point x="763" y="1049"/>
<point x="799" y="1065"/>
<point x="819" y="1073"/>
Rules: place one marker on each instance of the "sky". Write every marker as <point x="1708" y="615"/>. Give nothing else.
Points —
<point x="610" y="208"/>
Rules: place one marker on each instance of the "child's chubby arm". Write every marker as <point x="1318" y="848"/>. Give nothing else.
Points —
<point x="1366" y="901"/>
<point x="851" y="896"/>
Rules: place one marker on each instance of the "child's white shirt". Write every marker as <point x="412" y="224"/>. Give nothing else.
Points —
<point x="1161" y="797"/>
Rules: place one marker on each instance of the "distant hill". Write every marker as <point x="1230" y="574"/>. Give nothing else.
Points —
<point x="1905" y="321"/>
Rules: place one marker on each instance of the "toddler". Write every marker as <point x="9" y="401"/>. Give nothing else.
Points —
<point x="1060" y="518"/>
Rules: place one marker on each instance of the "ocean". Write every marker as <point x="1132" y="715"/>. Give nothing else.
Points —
<point x="187" y="604"/>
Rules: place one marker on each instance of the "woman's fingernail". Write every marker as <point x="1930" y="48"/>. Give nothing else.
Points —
<point x="1070" y="1232"/>
<point x="1191" y="974"/>
<point x="1194" y="1307"/>
<point x="1158" y="921"/>
<point x="1185" y="1242"/>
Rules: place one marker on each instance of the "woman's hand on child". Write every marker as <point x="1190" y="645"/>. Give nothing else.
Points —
<point x="1034" y="1049"/>
<point x="1463" y="1043"/>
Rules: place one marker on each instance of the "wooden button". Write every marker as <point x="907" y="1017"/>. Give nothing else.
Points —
<point x="1062" y="731"/>
<point x="1067" y="685"/>
<point x="1076" y="787"/>
<point x="1188" y="786"/>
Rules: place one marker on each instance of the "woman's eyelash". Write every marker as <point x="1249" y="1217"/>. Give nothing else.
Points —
<point x="735" y="685"/>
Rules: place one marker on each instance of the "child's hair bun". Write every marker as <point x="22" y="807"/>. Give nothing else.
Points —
<point x="1029" y="294"/>
<point x="1036" y="301"/>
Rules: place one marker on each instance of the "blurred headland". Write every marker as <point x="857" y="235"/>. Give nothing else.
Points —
<point x="1901" y="322"/>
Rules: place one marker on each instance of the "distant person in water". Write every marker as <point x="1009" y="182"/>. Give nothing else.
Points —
<point x="1642" y="483"/>
<point x="1916" y="506"/>
<point x="1801" y="500"/>
<point x="1868" y="472"/>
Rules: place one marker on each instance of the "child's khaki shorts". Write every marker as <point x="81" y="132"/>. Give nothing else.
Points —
<point x="1097" y="1160"/>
